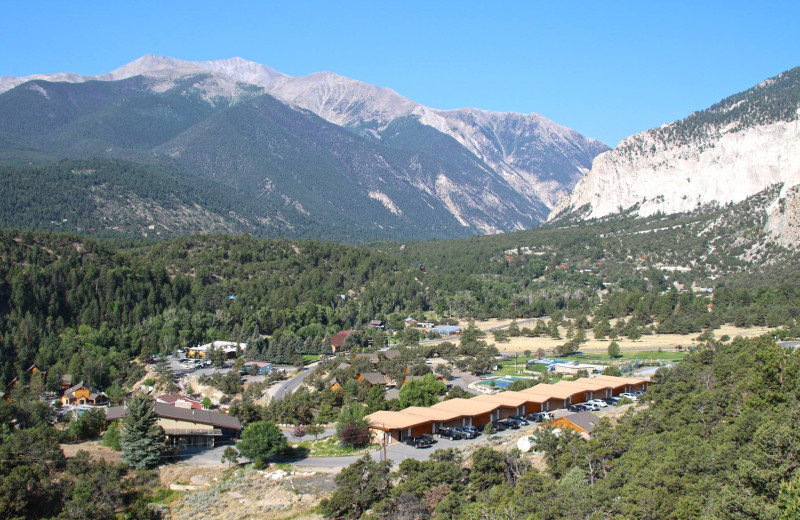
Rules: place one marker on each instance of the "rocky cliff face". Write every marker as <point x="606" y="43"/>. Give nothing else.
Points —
<point x="783" y="217"/>
<point x="727" y="153"/>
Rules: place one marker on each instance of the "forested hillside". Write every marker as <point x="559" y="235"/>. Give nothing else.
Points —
<point x="279" y="170"/>
<point x="717" y="439"/>
<point x="86" y="307"/>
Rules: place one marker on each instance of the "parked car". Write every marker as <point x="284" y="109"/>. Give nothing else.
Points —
<point x="593" y="407"/>
<point x="450" y="433"/>
<point x="466" y="431"/>
<point x="418" y="441"/>
<point x="520" y="419"/>
<point x="546" y="416"/>
<point x="540" y="416"/>
<point x="500" y="426"/>
<point x="429" y="437"/>
<point x="473" y="429"/>
<point x="510" y="423"/>
<point x="638" y="393"/>
<point x="599" y="402"/>
<point x="611" y="401"/>
<point x="577" y="408"/>
<point x="630" y="396"/>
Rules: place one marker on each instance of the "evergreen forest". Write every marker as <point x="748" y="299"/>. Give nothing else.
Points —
<point x="715" y="439"/>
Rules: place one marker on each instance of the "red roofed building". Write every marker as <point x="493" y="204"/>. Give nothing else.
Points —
<point x="180" y="401"/>
<point x="337" y="340"/>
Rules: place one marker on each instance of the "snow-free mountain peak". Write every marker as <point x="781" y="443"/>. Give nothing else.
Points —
<point x="512" y="163"/>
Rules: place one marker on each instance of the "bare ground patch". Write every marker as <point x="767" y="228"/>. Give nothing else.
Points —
<point x="249" y="494"/>
<point x="94" y="448"/>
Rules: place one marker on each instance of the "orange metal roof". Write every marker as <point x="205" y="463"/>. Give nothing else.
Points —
<point x="559" y="392"/>
<point x="593" y="384"/>
<point x="620" y="381"/>
<point x="386" y="420"/>
<point x="439" y="414"/>
<point x="467" y="407"/>
<point x="575" y="386"/>
<point x="509" y="399"/>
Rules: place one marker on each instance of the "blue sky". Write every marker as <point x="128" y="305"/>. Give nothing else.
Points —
<point x="606" y="69"/>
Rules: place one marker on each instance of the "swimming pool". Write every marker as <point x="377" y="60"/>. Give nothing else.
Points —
<point x="503" y="381"/>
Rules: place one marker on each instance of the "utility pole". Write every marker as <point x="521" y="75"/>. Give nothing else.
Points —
<point x="383" y="441"/>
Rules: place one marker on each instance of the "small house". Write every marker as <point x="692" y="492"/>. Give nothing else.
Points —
<point x="392" y="354"/>
<point x="371" y="356"/>
<point x="179" y="400"/>
<point x="338" y="339"/>
<point x="375" y="324"/>
<point x="228" y="348"/>
<point x="65" y="381"/>
<point x="258" y="367"/>
<point x="82" y="394"/>
<point x="581" y="422"/>
<point x="373" y="378"/>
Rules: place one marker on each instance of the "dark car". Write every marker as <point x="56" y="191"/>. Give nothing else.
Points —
<point x="465" y="431"/>
<point x="500" y="426"/>
<point x="429" y="437"/>
<point x="450" y="433"/>
<point x="473" y="429"/>
<point x="539" y="416"/>
<point x="510" y="423"/>
<point x="612" y="401"/>
<point x="577" y="408"/>
<point x="418" y="441"/>
<point x="520" y="419"/>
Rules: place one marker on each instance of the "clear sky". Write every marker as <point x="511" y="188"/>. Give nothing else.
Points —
<point x="607" y="69"/>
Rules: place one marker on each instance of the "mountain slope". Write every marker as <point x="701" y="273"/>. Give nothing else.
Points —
<point x="307" y="177"/>
<point x="726" y="153"/>
<point x="319" y="156"/>
<point x="536" y="157"/>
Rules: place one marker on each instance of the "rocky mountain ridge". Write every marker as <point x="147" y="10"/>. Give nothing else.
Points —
<point x="733" y="150"/>
<point x="533" y="155"/>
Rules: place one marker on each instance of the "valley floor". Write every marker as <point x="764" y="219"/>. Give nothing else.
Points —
<point x="652" y="342"/>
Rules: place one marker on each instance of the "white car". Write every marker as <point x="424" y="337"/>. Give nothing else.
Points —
<point x="591" y="406"/>
<point x="629" y="396"/>
<point x="599" y="402"/>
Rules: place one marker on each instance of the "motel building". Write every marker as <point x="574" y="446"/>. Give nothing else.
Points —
<point x="392" y="427"/>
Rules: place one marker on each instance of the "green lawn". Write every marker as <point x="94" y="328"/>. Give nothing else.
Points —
<point x="506" y="367"/>
<point x="645" y="355"/>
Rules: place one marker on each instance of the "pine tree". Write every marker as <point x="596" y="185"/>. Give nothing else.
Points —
<point x="141" y="438"/>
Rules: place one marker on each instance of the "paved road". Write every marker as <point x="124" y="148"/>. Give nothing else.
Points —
<point x="463" y="379"/>
<point x="284" y="388"/>
<point x="397" y="453"/>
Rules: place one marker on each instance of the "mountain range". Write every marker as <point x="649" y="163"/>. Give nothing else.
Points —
<point x="167" y="147"/>
<point x="733" y="150"/>
<point x="320" y="156"/>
